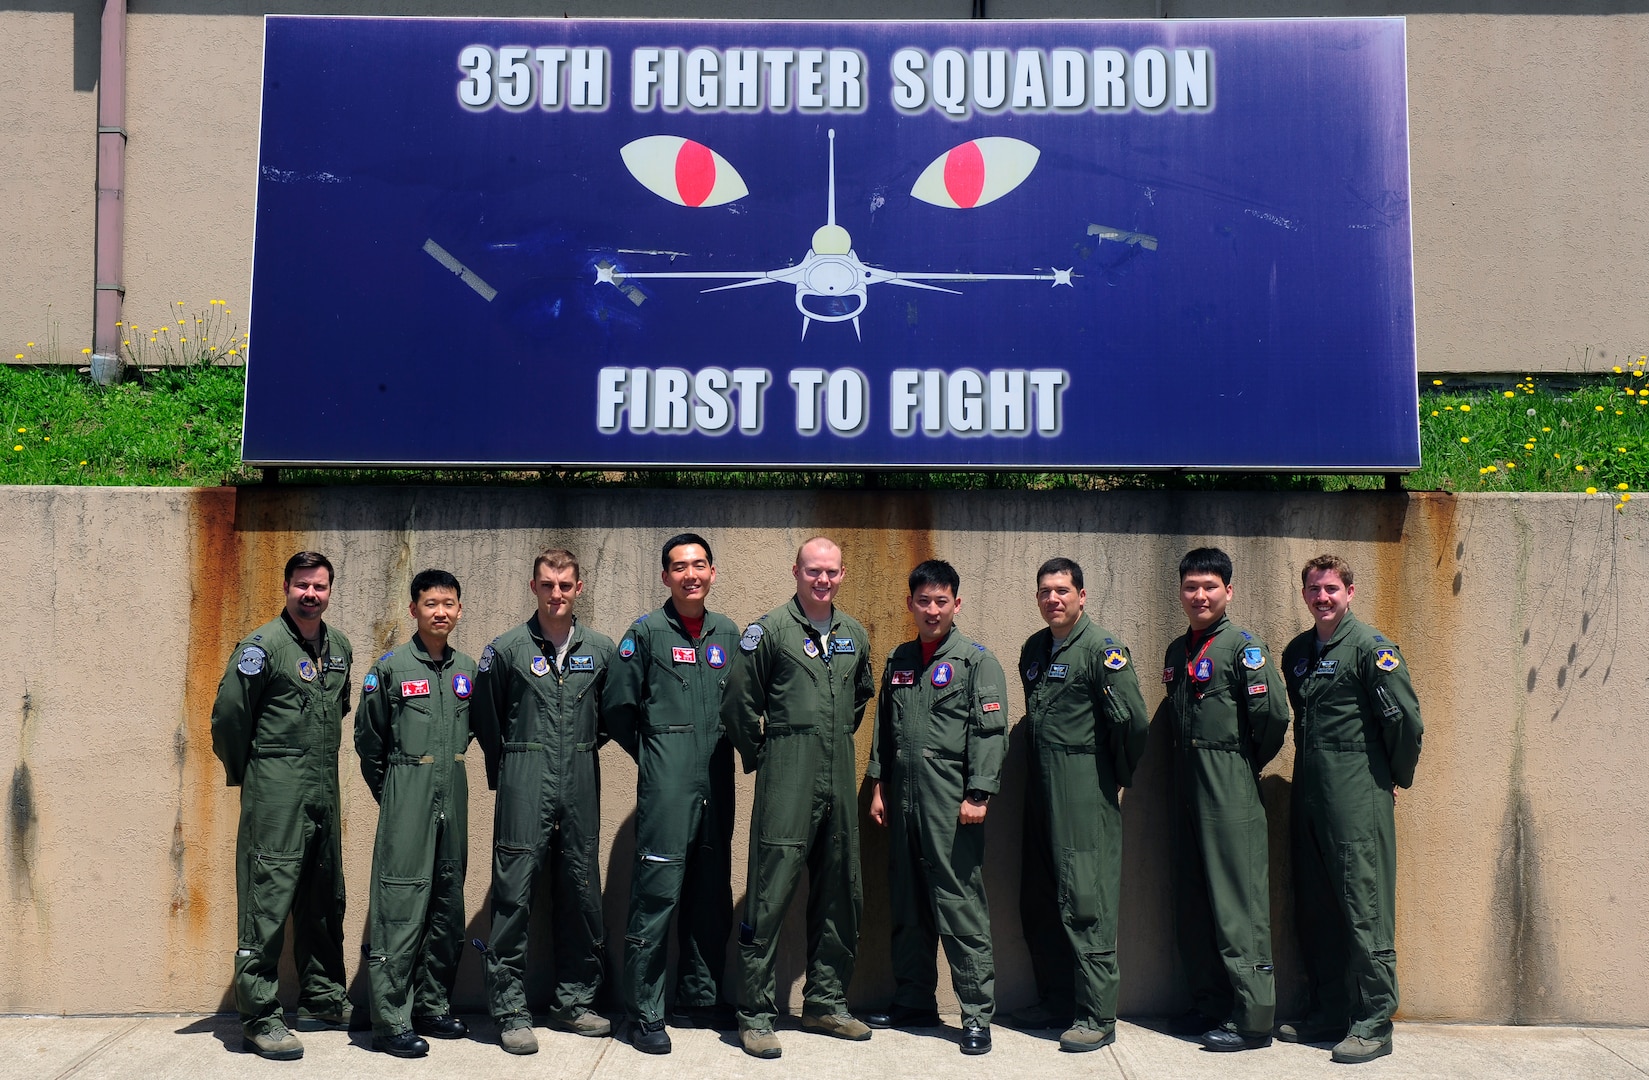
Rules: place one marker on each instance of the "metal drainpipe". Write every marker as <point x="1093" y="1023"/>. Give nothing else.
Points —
<point x="107" y="359"/>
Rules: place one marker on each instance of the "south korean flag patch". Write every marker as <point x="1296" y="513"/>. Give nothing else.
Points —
<point x="251" y="660"/>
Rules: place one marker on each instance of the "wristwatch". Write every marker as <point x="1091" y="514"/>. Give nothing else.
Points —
<point x="979" y="797"/>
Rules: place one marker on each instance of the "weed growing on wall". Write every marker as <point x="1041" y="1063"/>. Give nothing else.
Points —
<point x="209" y="336"/>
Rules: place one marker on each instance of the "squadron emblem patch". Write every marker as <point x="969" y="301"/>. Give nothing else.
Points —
<point x="942" y="674"/>
<point x="251" y="660"/>
<point x="1386" y="659"/>
<point x="306" y="671"/>
<point x="1252" y="658"/>
<point x="752" y="637"/>
<point x="1115" y="659"/>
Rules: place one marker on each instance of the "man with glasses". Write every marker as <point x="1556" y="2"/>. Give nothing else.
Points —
<point x="805" y="668"/>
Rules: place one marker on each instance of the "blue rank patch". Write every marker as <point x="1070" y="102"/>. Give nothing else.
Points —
<point x="1386" y="659"/>
<point x="715" y="656"/>
<point x="841" y="644"/>
<point x="370" y="683"/>
<point x="1033" y="671"/>
<point x="581" y="663"/>
<point x="1116" y="659"/>
<point x="978" y="646"/>
<point x="1058" y="671"/>
<point x="386" y="656"/>
<point x="306" y="671"/>
<point x="485" y="663"/>
<point x="1253" y="658"/>
<point x="540" y="666"/>
<point x="251" y="660"/>
<point x="462" y="688"/>
<point x="1246" y="636"/>
<point x="627" y="647"/>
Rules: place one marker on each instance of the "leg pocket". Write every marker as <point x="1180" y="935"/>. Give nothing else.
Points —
<point x="1081" y="897"/>
<point x="1359" y="893"/>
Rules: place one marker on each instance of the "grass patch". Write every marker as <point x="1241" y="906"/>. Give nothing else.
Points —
<point x="182" y="425"/>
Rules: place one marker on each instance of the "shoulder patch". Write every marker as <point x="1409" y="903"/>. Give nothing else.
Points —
<point x="1253" y="658"/>
<point x="1386" y="659"/>
<point x="752" y="637"/>
<point x="370" y="683"/>
<point x="1115" y="659"/>
<point x="627" y="647"/>
<point x="485" y="663"/>
<point x="252" y="659"/>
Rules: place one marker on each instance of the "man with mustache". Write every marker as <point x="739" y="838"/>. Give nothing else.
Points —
<point x="276" y="726"/>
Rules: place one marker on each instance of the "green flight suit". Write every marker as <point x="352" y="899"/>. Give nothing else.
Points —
<point x="539" y="726"/>
<point x="1230" y="716"/>
<point x="663" y="706"/>
<point x="813" y="690"/>
<point x="1087" y="725"/>
<point x="276" y="726"/>
<point x="411" y="732"/>
<point x="1356" y="736"/>
<point x="941" y="732"/>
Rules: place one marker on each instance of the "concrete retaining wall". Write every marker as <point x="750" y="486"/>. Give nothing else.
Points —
<point x="1523" y="875"/>
<point x="1529" y="131"/>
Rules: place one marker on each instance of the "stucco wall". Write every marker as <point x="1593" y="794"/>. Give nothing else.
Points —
<point x="1529" y="132"/>
<point x="1522" y="874"/>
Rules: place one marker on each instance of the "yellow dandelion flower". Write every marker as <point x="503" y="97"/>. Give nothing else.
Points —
<point x="48" y="438"/>
<point x="22" y="431"/>
<point x="1511" y="465"/>
<point x="1492" y="468"/>
<point x="85" y="352"/>
<point x="28" y="344"/>
<point x="1437" y="382"/>
<point x="1619" y="413"/>
<point x="234" y="352"/>
<point x="1545" y="429"/>
<point x="1465" y="438"/>
<point x="1448" y="408"/>
<point x="1580" y="468"/>
<point x="1626" y="498"/>
<point x="19" y="446"/>
<point x="1620" y="449"/>
<point x="1597" y="408"/>
<point x="1617" y="369"/>
<point x="1465" y="408"/>
<point x="1434" y="412"/>
<point x="82" y="463"/>
<point x="1508" y="393"/>
<point x="1622" y="487"/>
<point x="1591" y="491"/>
<point x="1620" y="507"/>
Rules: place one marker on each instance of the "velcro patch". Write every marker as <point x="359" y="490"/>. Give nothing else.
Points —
<point x="1116" y="659"/>
<point x="1058" y="671"/>
<point x="1326" y="667"/>
<point x="1167" y="675"/>
<point x="485" y="663"/>
<point x="581" y="663"/>
<point x="1256" y="689"/>
<point x="1252" y="658"/>
<point x="415" y="688"/>
<point x="752" y="637"/>
<point x="251" y="660"/>
<point x="336" y="663"/>
<point x="306" y="671"/>
<point x="991" y="706"/>
<point x="540" y="666"/>
<point x="841" y="644"/>
<point x="683" y="655"/>
<point x="903" y="678"/>
<point x="1386" y="659"/>
<point x="461" y="686"/>
<point x="370" y="683"/>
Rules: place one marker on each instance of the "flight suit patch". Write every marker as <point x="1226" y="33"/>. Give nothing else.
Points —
<point x="684" y="655"/>
<point x="942" y="674"/>
<point x="1167" y="675"/>
<point x="1032" y="672"/>
<point x="627" y="647"/>
<point x="336" y="663"/>
<point x="1058" y="671"/>
<point x="903" y="678"/>
<point x="540" y="666"/>
<point x="1386" y="659"/>
<point x="1115" y="659"/>
<point x="415" y="688"/>
<point x="1326" y="667"/>
<point x="581" y="663"/>
<point x="1257" y="689"/>
<point x="809" y="648"/>
<point x="752" y="637"/>
<point x="370" y="683"/>
<point x="715" y="656"/>
<point x="1204" y="670"/>
<point x="461" y="686"/>
<point x="841" y="644"/>
<point x="306" y="671"/>
<point x="485" y="663"/>
<point x="1302" y="667"/>
<point x="251" y="660"/>
<point x="991" y="706"/>
<point x="1252" y="658"/>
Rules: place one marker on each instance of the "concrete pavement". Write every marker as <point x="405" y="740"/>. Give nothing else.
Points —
<point x="94" y="1048"/>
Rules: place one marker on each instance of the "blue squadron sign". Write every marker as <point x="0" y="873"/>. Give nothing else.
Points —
<point x="835" y="244"/>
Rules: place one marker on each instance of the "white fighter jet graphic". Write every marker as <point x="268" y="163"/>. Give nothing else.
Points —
<point x="832" y="282"/>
